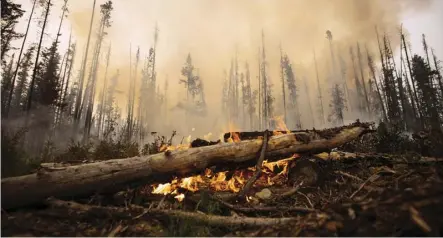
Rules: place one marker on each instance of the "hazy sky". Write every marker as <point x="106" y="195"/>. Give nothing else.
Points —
<point x="211" y="29"/>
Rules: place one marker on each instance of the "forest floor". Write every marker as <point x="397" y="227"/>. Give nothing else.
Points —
<point x="379" y="195"/>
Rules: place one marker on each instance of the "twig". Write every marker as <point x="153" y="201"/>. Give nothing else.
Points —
<point x="374" y="177"/>
<point x="307" y="198"/>
<point x="160" y="204"/>
<point x="418" y="220"/>
<point x="210" y="220"/>
<point x="172" y="136"/>
<point x="117" y="230"/>
<point x="349" y="175"/>
<point x="264" y="209"/>
<point x="258" y="167"/>
<point x="291" y="191"/>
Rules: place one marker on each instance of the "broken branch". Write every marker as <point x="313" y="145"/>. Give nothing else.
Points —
<point x="210" y="220"/>
<point x="258" y="168"/>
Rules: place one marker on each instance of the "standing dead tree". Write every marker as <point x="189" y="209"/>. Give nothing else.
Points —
<point x="282" y="76"/>
<point x="88" y="100"/>
<point x="268" y="99"/>
<point x="79" y="94"/>
<point x="34" y="73"/>
<point x="319" y="91"/>
<point x="103" y="96"/>
<point x="148" y="100"/>
<point x="293" y="106"/>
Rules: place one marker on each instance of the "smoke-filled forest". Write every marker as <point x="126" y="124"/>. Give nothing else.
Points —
<point x="225" y="115"/>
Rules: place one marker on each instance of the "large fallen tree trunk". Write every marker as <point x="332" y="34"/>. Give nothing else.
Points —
<point x="117" y="174"/>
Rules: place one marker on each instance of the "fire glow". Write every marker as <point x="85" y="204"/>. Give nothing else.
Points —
<point x="218" y="181"/>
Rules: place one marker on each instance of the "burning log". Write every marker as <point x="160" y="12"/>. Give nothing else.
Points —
<point x="118" y="174"/>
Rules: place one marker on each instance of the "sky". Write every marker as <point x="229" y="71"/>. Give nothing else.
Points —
<point x="212" y="30"/>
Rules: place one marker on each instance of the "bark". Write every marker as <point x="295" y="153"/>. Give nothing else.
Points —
<point x="117" y="174"/>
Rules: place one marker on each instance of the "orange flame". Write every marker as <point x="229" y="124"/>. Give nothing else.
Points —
<point x="218" y="182"/>
<point x="281" y="126"/>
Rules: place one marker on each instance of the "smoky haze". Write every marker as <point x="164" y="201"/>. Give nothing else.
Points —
<point x="212" y="32"/>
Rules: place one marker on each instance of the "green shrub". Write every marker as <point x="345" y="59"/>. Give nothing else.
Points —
<point x="14" y="159"/>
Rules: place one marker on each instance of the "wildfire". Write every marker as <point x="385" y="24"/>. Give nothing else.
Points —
<point x="191" y="183"/>
<point x="235" y="137"/>
<point x="281" y="126"/>
<point x="207" y="136"/>
<point x="218" y="181"/>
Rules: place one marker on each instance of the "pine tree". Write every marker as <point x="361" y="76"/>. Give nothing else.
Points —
<point x="10" y="13"/>
<point x="19" y="59"/>
<point x="377" y="103"/>
<point x="337" y="106"/>
<point x="103" y="95"/>
<point x="225" y="95"/>
<point x="195" y="102"/>
<point x="88" y="100"/>
<point x="250" y="96"/>
<point x="19" y="97"/>
<point x="358" y="87"/>
<point x="148" y="100"/>
<point x="283" y="86"/>
<point x="47" y="87"/>
<point x="390" y="87"/>
<point x="293" y="106"/>
<point x="267" y="104"/>
<point x="6" y="83"/>
<point x="426" y="93"/>
<point x="37" y="60"/>
<point x="320" y="98"/>
<point x="79" y="94"/>
<point x="438" y="70"/>
<point x="110" y="109"/>
<point x="366" y="98"/>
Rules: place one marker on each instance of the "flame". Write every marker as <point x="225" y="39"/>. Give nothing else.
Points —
<point x="180" y="197"/>
<point x="218" y="182"/>
<point x="191" y="183"/>
<point x="188" y="139"/>
<point x="234" y="137"/>
<point x="207" y="136"/>
<point x="164" y="148"/>
<point x="164" y="189"/>
<point x="281" y="125"/>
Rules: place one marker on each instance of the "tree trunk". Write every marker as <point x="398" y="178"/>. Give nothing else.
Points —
<point x="117" y="174"/>
<point x="31" y="85"/>
<point x="11" y="89"/>
<point x="78" y="101"/>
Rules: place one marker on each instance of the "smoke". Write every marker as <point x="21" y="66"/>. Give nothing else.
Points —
<point x="212" y="31"/>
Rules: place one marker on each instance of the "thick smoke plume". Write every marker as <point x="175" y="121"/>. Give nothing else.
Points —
<point x="212" y="31"/>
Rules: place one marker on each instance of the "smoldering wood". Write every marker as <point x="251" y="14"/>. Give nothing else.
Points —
<point x="118" y="174"/>
<point x="302" y="135"/>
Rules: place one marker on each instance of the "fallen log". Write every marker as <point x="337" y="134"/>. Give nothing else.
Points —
<point x="137" y="212"/>
<point x="118" y="174"/>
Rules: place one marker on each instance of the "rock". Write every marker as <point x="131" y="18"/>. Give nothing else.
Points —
<point x="264" y="194"/>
